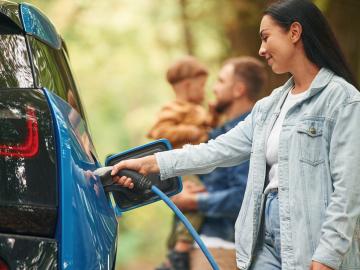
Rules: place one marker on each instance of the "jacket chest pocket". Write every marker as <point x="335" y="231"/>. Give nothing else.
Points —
<point x="311" y="143"/>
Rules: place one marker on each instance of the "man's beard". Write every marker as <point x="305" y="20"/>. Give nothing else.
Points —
<point x="222" y="106"/>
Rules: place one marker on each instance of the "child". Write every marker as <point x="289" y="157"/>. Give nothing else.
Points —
<point x="184" y="121"/>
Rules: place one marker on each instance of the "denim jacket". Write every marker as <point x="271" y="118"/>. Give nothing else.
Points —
<point x="225" y="187"/>
<point x="319" y="170"/>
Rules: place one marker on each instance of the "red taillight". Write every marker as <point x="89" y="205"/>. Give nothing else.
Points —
<point x="30" y="146"/>
<point x="3" y="265"/>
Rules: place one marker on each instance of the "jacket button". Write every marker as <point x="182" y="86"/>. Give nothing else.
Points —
<point x="312" y="130"/>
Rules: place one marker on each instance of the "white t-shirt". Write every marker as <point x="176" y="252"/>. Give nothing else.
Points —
<point x="272" y="145"/>
<point x="215" y="242"/>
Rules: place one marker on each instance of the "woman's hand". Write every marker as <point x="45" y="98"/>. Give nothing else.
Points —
<point x="319" y="266"/>
<point x="144" y="166"/>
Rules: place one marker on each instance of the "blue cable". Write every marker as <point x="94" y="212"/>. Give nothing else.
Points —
<point x="187" y="225"/>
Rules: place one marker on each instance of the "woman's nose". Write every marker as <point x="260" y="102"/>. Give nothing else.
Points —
<point x="262" y="50"/>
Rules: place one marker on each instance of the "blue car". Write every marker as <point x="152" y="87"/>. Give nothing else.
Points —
<point x="56" y="212"/>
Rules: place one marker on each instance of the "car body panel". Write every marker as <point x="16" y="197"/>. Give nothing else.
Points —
<point x="37" y="24"/>
<point x="87" y="229"/>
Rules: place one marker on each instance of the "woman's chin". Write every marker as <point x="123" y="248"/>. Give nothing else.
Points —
<point x="278" y="70"/>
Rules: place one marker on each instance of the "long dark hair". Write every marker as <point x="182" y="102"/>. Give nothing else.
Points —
<point x="320" y="44"/>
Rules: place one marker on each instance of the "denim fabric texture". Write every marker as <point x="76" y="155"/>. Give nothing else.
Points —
<point x="319" y="169"/>
<point x="267" y="253"/>
<point x="225" y="192"/>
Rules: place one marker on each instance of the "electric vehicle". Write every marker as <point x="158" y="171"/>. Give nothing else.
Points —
<point x="55" y="211"/>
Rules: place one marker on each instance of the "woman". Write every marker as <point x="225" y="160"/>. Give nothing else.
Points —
<point x="302" y="203"/>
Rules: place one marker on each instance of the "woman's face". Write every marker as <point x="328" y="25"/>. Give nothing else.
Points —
<point x="276" y="45"/>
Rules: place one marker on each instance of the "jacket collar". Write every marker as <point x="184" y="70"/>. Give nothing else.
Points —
<point x="321" y="80"/>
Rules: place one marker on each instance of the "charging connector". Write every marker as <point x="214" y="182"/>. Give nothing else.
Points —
<point x="141" y="182"/>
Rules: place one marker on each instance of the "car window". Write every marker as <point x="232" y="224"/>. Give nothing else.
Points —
<point x="53" y="72"/>
<point x="15" y="69"/>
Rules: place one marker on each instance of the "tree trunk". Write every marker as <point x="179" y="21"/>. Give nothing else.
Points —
<point x="189" y="44"/>
<point x="343" y="16"/>
<point x="243" y="34"/>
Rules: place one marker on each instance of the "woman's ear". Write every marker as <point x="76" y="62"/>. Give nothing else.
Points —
<point x="295" y="31"/>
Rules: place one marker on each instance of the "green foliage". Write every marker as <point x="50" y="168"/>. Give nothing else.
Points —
<point x="322" y="4"/>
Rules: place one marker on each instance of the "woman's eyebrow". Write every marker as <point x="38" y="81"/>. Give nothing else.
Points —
<point x="262" y="32"/>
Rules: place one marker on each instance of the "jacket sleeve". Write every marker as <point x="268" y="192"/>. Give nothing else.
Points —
<point x="227" y="202"/>
<point x="343" y="211"/>
<point x="229" y="149"/>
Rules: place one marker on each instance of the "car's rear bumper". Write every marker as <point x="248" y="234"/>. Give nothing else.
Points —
<point x="28" y="252"/>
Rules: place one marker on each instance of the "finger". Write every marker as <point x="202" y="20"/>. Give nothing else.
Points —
<point x="113" y="171"/>
<point x="128" y="182"/>
<point x="121" y="180"/>
<point x="118" y="167"/>
<point x="116" y="178"/>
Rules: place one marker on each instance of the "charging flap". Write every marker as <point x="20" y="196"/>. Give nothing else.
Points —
<point x="127" y="199"/>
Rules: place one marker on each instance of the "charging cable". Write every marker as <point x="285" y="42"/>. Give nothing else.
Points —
<point x="141" y="182"/>
<point x="187" y="224"/>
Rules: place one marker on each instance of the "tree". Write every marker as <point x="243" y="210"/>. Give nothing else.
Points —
<point x="344" y="18"/>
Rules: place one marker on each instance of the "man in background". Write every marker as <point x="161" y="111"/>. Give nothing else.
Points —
<point x="239" y="85"/>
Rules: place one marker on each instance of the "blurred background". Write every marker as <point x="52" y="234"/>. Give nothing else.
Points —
<point x="120" y="50"/>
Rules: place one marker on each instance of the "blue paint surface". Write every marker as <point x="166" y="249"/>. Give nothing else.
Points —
<point x="37" y="24"/>
<point x="87" y="227"/>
